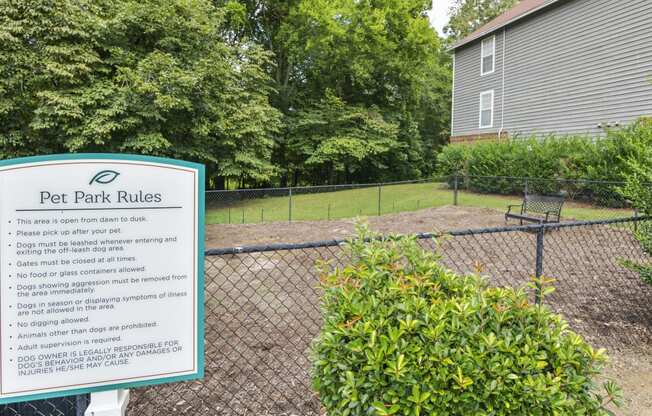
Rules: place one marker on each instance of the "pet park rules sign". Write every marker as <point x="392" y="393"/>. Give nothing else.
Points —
<point x="101" y="274"/>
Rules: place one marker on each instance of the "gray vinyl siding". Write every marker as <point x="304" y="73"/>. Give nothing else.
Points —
<point x="469" y="84"/>
<point x="568" y="69"/>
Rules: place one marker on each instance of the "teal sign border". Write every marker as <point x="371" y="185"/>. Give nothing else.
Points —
<point x="200" y="269"/>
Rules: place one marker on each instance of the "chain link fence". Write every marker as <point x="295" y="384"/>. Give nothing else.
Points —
<point x="306" y="203"/>
<point x="64" y="406"/>
<point x="585" y="200"/>
<point x="262" y="310"/>
<point x="603" y="198"/>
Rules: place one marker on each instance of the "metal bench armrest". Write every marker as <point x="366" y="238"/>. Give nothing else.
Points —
<point x="555" y="212"/>
<point x="509" y="208"/>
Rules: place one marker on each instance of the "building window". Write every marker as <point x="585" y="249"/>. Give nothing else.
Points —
<point x="487" y="109"/>
<point x="488" y="55"/>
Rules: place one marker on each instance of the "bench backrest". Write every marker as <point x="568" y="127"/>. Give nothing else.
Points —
<point x="541" y="204"/>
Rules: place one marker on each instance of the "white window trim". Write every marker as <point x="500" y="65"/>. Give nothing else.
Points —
<point x="492" y="110"/>
<point x="493" y="56"/>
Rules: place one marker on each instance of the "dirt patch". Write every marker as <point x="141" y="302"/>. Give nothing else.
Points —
<point x="632" y="372"/>
<point x="426" y="220"/>
<point x="262" y="309"/>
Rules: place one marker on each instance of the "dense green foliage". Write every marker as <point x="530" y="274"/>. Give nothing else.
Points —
<point x="639" y="169"/>
<point x="638" y="189"/>
<point x="468" y="15"/>
<point x="340" y="142"/>
<point x="364" y="87"/>
<point x="643" y="235"/>
<point x="146" y="76"/>
<point x="619" y="156"/>
<point x="262" y="91"/>
<point x="404" y="336"/>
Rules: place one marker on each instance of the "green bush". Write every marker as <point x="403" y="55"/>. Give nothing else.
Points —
<point x="638" y="189"/>
<point x="452" y="160"/>
<point x="644" y="237"/>
<point x="404" y="336"/>
<point x="607" y="159"/>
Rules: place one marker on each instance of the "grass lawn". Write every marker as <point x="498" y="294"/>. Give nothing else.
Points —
<point x="364" y="202"/>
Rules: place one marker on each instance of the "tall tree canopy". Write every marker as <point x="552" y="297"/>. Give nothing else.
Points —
<point x="139" y="76"/>
<point x="262" y="91"/>
<point x="377" y="57"/>
<point x="468" y="15"/>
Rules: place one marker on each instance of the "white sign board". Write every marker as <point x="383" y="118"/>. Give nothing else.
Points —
<point x="101" y="274"/>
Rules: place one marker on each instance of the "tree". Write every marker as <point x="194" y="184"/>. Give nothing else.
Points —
<point x="379" y="55"/>
<point x="140" y="76"/>
<point x="226" y="83"/>
<point x="466" y="16"/>
<point x="337" y="141"/>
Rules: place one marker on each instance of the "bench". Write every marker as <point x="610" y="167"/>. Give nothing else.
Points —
<point x="537" y="208"/>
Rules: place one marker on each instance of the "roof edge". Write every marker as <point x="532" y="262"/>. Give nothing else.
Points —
<point x="473" y="37"/>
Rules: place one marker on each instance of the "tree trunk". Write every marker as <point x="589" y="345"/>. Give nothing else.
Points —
<point x="220" y="183"/>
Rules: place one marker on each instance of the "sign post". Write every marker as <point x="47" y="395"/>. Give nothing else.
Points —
<point x="108" y="403"/>
<point x="101" y="276"/>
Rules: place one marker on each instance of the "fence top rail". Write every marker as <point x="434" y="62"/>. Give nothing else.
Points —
<point x="350" y="185"/>
<point x="421" y="236"/>
<point x="431" y="179"/>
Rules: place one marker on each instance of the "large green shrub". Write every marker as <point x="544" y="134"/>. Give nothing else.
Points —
<point x="404" y="336"/>
<point x="453" y="160"/>
<point x="607" y="159"/>
<point x="638" y="189"/>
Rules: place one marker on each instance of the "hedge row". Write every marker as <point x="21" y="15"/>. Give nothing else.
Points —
<point x="606" y="159"/>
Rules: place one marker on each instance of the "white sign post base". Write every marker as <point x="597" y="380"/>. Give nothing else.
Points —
<point x="108" y="403"/>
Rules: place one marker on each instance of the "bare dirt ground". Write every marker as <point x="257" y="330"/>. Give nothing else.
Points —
<point x="423" y="221"/>
<point x="633" y="373"/>
<point x="262" y="309"/>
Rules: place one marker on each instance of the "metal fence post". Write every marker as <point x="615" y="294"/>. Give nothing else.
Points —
<point x="81" y="403"/>
<point x="539" y="263"/>
<point x="455" y="189"/>
<point x="526" y="187"/>
<point x="379" y="188"/>
<point x="290" y="207"/>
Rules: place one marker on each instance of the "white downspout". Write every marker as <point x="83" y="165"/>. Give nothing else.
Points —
<point x="453" y="97"/>
<point x="502" y="104"/>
